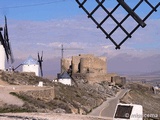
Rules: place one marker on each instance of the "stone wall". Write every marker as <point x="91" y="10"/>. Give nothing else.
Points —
<point x="92" y="78"/>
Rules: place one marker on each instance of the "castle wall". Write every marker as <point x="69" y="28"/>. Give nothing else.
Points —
<point x="66" y="63"/>
<point x="92" y="78"/>
<point x="93" y="65"/>
<point x="86" y="63"/>
<point x="75" y="64"/>
<point x="92" y="69"/>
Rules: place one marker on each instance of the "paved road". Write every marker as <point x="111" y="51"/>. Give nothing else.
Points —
<point x="108" y="107"/>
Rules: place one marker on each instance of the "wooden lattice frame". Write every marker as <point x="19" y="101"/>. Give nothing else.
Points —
<point x="109" y="14"/>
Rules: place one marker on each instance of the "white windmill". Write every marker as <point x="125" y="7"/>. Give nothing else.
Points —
<point x="30" y="65"/>
<point x="5" y="47"/>
<point x="2" y="57"/>
<point x="33" y="65"/>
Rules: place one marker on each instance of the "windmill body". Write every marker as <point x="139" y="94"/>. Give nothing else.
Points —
<point x="5" y="47"/>
<point x="31" y="65"/>
<point x="2" y="58"/>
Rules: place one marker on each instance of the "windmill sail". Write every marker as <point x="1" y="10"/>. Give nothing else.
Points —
<point x="1" y="39"/>
<point x="40" y="60"/>
<point x="7" y="45"/>
<point x="3" y="42"/>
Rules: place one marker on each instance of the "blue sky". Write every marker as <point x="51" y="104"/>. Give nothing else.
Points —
<point x="39" y="10"/>
<point x="36" y="25"/>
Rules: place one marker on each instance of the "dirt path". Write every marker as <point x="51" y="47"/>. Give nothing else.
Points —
<point x="6" y="97"/>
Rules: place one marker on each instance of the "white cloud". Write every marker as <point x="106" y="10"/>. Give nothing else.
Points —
<point x="28" y="37"/>
<point x="55" y="44"/>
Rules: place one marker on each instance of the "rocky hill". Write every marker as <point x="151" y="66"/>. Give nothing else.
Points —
<point x="144" y="95"/>
<point x="79" y="99"/>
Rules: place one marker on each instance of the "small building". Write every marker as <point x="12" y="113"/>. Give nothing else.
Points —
<point x="31" y="65"/>
<point x="2" y="57"/>
<point x="64" y="78"/>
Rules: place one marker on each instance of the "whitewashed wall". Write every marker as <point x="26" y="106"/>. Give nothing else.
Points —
<point x="2" y="58"/>
<point x="31" y="68"/>
<point x="65" y="81"/>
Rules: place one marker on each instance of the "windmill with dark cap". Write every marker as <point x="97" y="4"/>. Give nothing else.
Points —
<point x="5" y="47"/>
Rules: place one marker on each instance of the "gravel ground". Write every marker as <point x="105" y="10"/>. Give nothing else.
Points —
<point x="47" y="116"/>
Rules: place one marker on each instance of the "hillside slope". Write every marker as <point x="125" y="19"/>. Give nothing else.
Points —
<point x="143" y="94"/>
<point x="79" y="99"/>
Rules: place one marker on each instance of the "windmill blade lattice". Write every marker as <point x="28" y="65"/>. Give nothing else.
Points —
<point x="4" y="39"/>
<point x="40" y="60"/>
<point x="119" y="25"/>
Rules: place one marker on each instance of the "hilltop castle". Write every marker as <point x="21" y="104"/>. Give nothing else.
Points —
<point x="88" y="66"/>
<point x="85" y="63"/>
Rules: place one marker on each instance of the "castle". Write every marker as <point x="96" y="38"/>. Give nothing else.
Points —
<point x="85" y="63"/>
<point x="88" y="66"/>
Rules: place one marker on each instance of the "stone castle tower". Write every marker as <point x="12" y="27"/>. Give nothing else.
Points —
<point x="90" y="67"/>
<point x="85" y="63"/>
